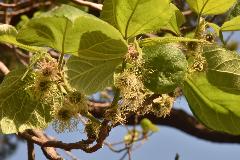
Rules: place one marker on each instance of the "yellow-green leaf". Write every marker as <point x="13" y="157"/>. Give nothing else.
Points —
<point x="18" y="111"/>
<point x="211" y="7"/>
<point x="215" y="108"/>
<point x="133" y="17"/>
<point x="232" y="25"/>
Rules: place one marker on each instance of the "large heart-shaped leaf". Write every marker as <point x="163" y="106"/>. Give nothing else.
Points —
<point x="63" y="28"/>
<point x="223" y="68"/>
<point x="18" y="111"/>
<point x="211" y="7"/>
<point x="98" y="57"/>
<point x="215" y="108"/>
<point x="133" y="17"/>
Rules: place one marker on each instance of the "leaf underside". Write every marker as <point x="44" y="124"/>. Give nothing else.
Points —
<point x="223" y="68"/>
<point x="215" y="108"/>
<point x="18" y="111"/>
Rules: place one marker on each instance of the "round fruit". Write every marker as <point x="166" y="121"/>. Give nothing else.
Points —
<point x="165" y="67"/>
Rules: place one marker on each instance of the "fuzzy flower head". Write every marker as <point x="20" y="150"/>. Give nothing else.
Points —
<point x="78" y="102"/>
<point x="48" y="68"/>
<point x="132" y="92"/>
<point x="162" y="105"/>
<point x="65" y="119"/>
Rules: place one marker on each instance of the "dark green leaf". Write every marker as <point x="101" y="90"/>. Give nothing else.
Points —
<point x="223" y="68"/>
<point x="235" y="11"/>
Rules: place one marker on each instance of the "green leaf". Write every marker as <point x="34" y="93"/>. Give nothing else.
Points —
<point x="99" y="55"/>
<point x="165" y="40"/>
<point x="62" y="29"/>
<point x="232" y="25"/>
<point x="18" y="111"/>
<point x="8" y="35"/>
<point x="133" y="17"/>
<point x="176" y="21"/>
<point x="148" y="126"/>
<point x="223" y="68"/>
<point x="215" y="108"/>
<point x="211" y="7"/>
<point x="165" y="67"/>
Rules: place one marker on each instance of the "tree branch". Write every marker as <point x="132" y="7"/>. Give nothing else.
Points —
<point x="178" y="119"/>
<point x="89" y="4"/>
<point x="30" y="148"/>
<point x="4" y="68"/>
<point x="36" y="137"/>
<point x="49" y="152"/>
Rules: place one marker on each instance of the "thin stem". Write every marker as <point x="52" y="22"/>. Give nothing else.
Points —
<point x="4" y="68"/>
<point x="30" y="148"/>
<point x="60" y="62"/>
<point x="116" y="99"/>
<point x="199" y="17"/>
<point x="92" y="118"/>
<point x="117" y="93"/>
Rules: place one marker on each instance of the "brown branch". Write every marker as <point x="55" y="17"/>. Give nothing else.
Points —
<point x="12" y="5"/>
<point x="4" y="68"/>
<point x="89" y="4"/>
<point x="30" y="148"/>
<point x="178" y="119"/>
<point x="49" y="152"/>
<point x="38" y="138"/>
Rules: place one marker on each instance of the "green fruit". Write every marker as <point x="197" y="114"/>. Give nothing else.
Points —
<point x="165" y="67"/>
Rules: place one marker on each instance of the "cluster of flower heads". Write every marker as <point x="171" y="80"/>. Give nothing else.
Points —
<point x="47" y="87"/>
<point x="134" y="95"/>
<point x="67" y="116"/>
